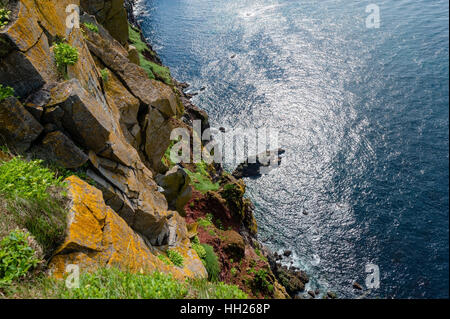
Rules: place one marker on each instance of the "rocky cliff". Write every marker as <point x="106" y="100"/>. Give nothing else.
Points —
<point x="96" y="99"/>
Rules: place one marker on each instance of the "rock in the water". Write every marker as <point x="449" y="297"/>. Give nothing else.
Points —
<point x="18" y="128"/>
<point x="331" y="294"/>
<point x="357" y="286"/>
<point x="177" y="189"/>
<point x="312" y="293"/>
<point x="255" y="166"/>
<point x="287" y="253"/>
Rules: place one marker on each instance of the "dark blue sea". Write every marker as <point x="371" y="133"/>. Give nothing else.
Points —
<point x="363" y="114"/>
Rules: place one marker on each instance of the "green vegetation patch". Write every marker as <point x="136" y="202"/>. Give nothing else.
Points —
<point x="201" y="180"/>
<point x="65" y="55"/>
<point x="5" y="92"/>
<point x="200" y="250"/>
<point x="4" y="17"/>
<point x="105" y="75"/>
<point x="91" y="27"/>
<point x="211" y="262"/>
<point x="206" y="221"/>
<point x="112" y="283"/>
<point x="31" y="198"/>
<point x="175" y="257"/>
<point x="16" y="257"/>
<point x="26" y="179"/>
<point x="154" y="70"/>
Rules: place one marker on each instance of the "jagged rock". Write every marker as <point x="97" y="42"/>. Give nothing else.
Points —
<point x="111" y="14"/>
<point x="253" y="165"/>
<point x="18" y="128"/>
<point x="331" y="294"/>
<point x="97" y="237"/>
<point x="58" y="148"/>
<point x="287" y="253"/>
<point x="233" y="244"/>
<point x="177" y="189"/>
<point x="148" y="91"/>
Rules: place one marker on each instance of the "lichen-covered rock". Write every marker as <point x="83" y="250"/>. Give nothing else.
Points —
<point x="177" y="189"/>
<point x="18" y="128"/>
<point x="148" y="91"/>
<point x="111" y="14"/>
<point x="57" y="147"/>
<point x="97" y="237"/>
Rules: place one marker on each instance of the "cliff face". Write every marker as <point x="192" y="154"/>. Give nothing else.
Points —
<point x="109" y="112"/>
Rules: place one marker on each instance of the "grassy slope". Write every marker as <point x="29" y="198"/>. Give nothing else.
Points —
<point x="154" y="71"/>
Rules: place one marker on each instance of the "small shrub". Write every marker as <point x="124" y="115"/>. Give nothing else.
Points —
<point x="65" y="55"/>
<point x="233" y="271"/>
<point x="16" y="257"/>
<point x="4" y="17"/>
<point x="260" y="282"/>
<point x="91" y="27"/>
<point x="105" y="75"/>
<point x="200" y="250"/>
<point x="175" y="257"/>
<point x="211" y="263"/>
<point x="5" y="92"/>
<point x="205" y="222"/>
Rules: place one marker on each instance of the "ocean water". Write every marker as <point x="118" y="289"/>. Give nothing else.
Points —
<point x="362" y="113"/>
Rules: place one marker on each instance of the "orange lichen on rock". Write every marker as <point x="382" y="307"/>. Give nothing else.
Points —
<point x="97" y="237"/>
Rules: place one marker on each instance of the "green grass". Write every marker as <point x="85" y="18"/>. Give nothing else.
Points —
<point x="5" y="92"/>
<point x="154" y="71"/>
<point x="201" y="180"/>
<point x="112" y="283"/>
<point x="202" y="289"/>
<point x="91" y="27"/>
<point x="31" y="197"/>
<point x="211" y="263"/>
<point x="200" y="250"/>
<point x="164" y="259"/>
<point x="16" y="257"/>
<point x="26" y="179"/>
<point x="205" y="222"/>
<point x="175" y="257"/>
